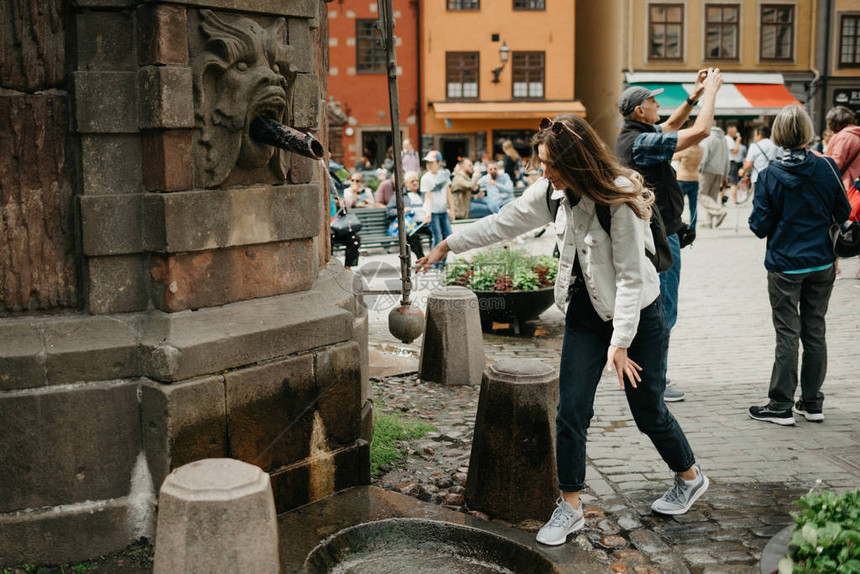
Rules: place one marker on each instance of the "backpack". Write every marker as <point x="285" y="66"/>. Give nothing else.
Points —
<point x="662" y="256"/>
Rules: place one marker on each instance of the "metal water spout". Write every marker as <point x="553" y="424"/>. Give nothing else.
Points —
<point x="405" y="322"/>
<point x="268" y="131"/>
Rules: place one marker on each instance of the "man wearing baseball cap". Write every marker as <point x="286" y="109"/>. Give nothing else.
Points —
<point x="647" y="147"/>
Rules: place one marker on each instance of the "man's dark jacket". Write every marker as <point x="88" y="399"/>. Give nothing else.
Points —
<point x="660" y="176"/>
<point x="793" y="206"/>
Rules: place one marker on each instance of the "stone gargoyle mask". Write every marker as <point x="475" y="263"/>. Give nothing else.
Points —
<point x="241" y="73"/>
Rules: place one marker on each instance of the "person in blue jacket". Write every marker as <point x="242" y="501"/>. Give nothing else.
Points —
<point x="796" y="199"/>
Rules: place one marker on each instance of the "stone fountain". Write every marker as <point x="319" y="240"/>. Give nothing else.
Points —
<point x="166" y="293"/>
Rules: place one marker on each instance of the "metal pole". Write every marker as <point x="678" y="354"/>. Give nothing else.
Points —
<point x="386" y="27"/>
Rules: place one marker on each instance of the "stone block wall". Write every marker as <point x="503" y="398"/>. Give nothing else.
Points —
<point x="163" y="289"/>
<point x="170" y="181"/>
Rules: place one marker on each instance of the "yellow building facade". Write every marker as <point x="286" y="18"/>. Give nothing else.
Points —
<point x="766" y="49"/>
<point x="472" y="99"/>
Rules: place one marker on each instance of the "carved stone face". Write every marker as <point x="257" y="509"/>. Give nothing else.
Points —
<point x="241" y="73"/>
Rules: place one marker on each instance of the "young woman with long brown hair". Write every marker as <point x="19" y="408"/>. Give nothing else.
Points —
<point x="614" y="314"/>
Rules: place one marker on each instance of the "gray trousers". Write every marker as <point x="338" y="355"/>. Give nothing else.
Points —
<point x="799" y="304"/>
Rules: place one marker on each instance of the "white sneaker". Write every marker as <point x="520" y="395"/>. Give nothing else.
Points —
<point x="682" y="495"/>
<point x="563" y="521"/>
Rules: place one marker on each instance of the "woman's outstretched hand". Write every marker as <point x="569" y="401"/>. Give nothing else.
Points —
<point x="617" y="360"/>
<point x="436" y="255"/>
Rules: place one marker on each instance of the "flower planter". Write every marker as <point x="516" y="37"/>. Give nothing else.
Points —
<point x="512" y="307"/>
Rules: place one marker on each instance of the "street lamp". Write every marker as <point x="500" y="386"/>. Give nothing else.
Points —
<point x="504" y="54"/>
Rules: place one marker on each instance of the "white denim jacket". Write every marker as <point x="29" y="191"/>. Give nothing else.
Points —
<point x="620" y="278"/>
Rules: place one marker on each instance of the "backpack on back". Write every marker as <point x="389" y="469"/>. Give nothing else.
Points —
<point x="662" y="256"/>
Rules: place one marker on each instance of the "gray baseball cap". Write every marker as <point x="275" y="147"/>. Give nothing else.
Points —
<point x="634" y="96"/>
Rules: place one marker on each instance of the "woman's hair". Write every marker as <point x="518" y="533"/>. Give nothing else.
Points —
<point x="839" y="117"/>
<point x="584" y="164"/>
<point x="510" y="150"/>
<point x="792" y="128"/>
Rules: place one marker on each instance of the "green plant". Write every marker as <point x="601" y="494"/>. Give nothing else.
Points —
<point x="389" y="430"/>
<point x="526" y="280"/>
<point x="827" y="535"/>
<point x="483" y="279"/>
<point x="500" y="268"/>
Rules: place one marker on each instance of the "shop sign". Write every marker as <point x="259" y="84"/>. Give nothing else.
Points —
<point x="848" y="97"/>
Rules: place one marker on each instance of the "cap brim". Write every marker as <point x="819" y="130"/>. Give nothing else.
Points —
<point x="656" y="92"/>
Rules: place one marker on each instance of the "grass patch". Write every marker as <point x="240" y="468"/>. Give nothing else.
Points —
<point x="388" y="430"/>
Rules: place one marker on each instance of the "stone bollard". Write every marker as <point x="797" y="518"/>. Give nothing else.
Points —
<point x="512" y="472"/>
<point x="217" y="515"/>
<point x="452" y="351"/>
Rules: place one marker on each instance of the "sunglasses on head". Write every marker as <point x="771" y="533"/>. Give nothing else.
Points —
<point x="557" y="127"/>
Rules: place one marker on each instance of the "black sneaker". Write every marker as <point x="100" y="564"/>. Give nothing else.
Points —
<point x="813" y="415"/>
<point x="771" y="415"/>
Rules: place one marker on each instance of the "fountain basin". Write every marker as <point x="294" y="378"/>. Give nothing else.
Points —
<point x="348" y="515"/>
<point x="422" y="546"/>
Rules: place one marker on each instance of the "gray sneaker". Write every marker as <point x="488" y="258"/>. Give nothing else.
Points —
<point x="563" y="521"/>
<point x="682" y="495"/>
<point x="671" y="395"/>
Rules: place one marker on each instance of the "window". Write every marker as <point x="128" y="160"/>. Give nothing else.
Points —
<point x="461" y="75"/>
<point x="464" y="4"/>
<point x="528" y="73"/>
<point x="721" y="37"/>
<point x="665" y="31"/>
<point x="849" y="41"/>
<point x="529" y="5"/>
<point x="777" y="31"/>
<point x="369" y="56"/>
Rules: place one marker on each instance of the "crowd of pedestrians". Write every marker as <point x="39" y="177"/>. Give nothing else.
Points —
<point x="618" y="218"/>
<point x="471" y="190"/>
<point x="620" y="236"/>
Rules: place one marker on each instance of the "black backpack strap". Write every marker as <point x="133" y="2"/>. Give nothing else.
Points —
<point x="552" y="204"/>
<point x="604" y="217"/>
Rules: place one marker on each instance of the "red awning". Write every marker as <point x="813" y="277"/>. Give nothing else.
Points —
<point x="767" y="95"/>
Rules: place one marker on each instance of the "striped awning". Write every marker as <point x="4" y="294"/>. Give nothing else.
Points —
<point x="756" y="95"/>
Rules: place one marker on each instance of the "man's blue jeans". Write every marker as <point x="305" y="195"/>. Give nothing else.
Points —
<point x="583" y="356"/>
<point x="440" y="228"/>
<point x="669" y="282"/>
<point x="691" y="190"/>
<point x="479" y="208"/>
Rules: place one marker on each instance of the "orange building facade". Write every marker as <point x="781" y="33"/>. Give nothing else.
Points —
<point x="472" y="100"/>
<point x="358" y="84"/>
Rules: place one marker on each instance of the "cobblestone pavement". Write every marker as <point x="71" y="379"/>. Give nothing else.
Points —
<point x="720" y="354"/>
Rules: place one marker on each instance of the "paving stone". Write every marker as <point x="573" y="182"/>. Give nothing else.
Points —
<point x="648" y="542"/>
<point x="756" y="470"/>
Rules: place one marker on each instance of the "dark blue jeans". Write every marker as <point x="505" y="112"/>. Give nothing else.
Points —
<point x="479" y="208"/>
<point x="670" y="280"/>
<point x="583" y="356"/>
<point x="440" y="228"/>
<point x="691" y="190"/>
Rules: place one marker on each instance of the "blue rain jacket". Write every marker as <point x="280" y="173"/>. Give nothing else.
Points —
<point x="794" y="218"/>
